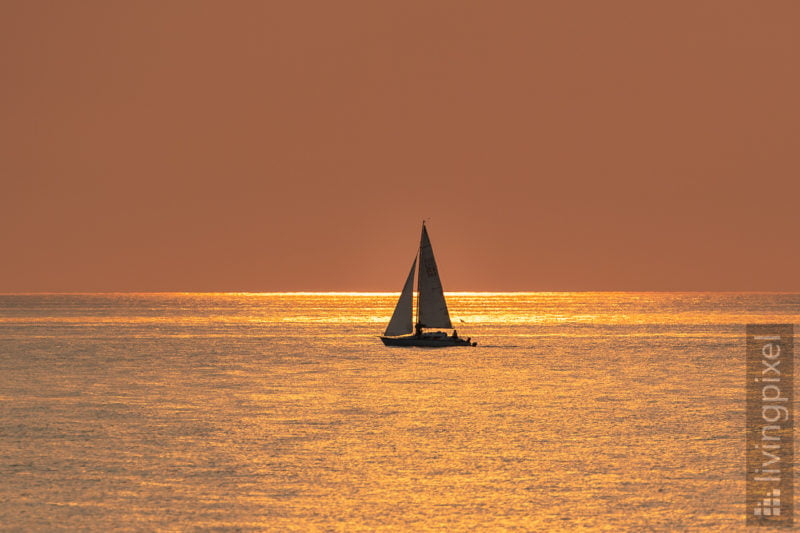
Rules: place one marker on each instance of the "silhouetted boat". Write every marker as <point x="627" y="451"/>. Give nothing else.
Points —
<point x="431" y="307"/>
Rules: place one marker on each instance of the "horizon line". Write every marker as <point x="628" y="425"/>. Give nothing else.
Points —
<point x="387" y="293"/>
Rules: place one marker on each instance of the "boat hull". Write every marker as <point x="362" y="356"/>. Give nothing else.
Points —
<point x="427" y="341"/>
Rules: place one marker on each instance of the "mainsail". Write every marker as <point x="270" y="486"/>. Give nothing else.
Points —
<point x="400" y="324"/>
<point x="432" y="309"/>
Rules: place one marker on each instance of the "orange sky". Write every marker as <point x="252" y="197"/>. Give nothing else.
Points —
<point x="267" y="146"/>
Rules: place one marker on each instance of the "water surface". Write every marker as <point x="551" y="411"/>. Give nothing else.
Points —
<point x="284" y="412"/>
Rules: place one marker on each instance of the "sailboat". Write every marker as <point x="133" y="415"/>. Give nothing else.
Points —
<point x="431" y="306"/>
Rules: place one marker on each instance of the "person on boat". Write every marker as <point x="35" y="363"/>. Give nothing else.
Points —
<point x="418" y="328"/>
<point x="455" y="334"/>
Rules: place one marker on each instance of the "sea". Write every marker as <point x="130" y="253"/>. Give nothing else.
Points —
<point x="285" y="412"/>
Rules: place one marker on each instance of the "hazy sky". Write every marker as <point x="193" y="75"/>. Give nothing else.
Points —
<point x="263" y="146"/>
